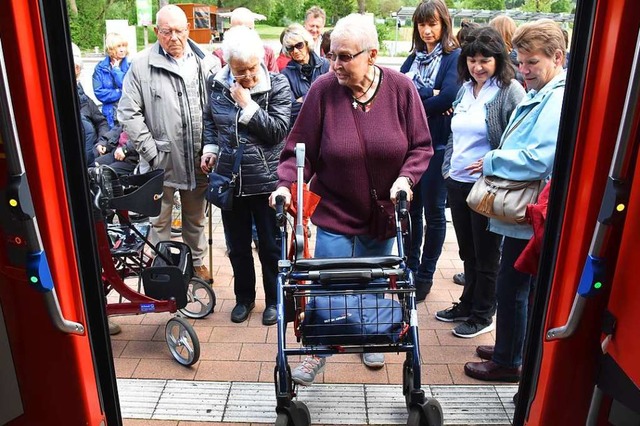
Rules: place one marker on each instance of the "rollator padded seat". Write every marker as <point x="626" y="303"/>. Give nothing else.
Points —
<point x="346" y="262"/>
<point x="165" y="280"/>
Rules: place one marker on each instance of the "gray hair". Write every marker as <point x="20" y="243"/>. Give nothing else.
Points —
<point x="359" y="28"/>
<point x="295" y="31"/>
<point x="242" y="16"/>
<point x="243" y="44"/>
<point x="77" y="55"/>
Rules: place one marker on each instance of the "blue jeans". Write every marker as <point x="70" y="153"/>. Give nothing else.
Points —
<point x="329" y="244"/>
<point x="513" y="290"/>
<point x="430" y="195"/>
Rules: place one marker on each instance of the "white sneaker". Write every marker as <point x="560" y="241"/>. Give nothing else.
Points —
<point x="114" y="328"/>
<point x="373" y="360"/>
<point x="305" y="373"/>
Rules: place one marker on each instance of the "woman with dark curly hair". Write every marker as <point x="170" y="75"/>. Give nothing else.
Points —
<point x="482" y="109"/>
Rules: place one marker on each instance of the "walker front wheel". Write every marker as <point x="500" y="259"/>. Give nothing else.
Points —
<point x="182" y="340"/>
<point x="201" y="299"/>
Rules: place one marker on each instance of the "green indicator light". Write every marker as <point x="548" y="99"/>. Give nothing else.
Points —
<point x="13" y="202"/>
<point x="620" y="207"/>
<point x="597" y="284"/>
<point x="34" y="279"/>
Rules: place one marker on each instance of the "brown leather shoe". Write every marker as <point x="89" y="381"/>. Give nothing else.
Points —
<point x="202" y="272"/>
<point x="485" y="352"/>
<point x="492" y="372"/>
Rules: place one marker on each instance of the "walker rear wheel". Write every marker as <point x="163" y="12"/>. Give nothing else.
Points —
<point x="201" y="299"/>
<point x="183" y="341"/>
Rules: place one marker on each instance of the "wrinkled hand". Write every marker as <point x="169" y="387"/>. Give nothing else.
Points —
<point x="475" y="167"/>
<point x="401" y="184"/>
<point x="207" y="162"/>
<point x="285" y="192"/>
<point x="118" y="154"/>
<point x="241" y="95"/>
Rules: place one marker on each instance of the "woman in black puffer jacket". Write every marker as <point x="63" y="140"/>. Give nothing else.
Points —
<point x="248" y="105"/>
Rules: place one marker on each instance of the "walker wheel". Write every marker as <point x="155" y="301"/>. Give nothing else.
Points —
<point x="201" y="299"/>
<point x="297" y="415"/>
<point x="182" y="340"/>
<point x="428" y="414"/>
<point x="407" y="379"/>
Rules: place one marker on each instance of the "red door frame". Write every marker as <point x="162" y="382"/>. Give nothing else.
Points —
<point x="58" y="375"/>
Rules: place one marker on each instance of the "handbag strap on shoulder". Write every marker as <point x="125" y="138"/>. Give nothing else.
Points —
<point x="236" y="163"/>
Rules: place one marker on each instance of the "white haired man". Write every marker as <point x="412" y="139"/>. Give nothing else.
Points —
<point x="163" y="96"/>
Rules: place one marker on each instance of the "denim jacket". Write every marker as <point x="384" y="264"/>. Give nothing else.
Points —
<point x="528" y="145"/>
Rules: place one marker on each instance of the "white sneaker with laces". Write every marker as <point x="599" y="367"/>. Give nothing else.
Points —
<point x="305" y="373"/>
<point x="373" y="360"/>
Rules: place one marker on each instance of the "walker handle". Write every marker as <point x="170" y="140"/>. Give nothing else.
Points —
<point x="401" y="197"/>
<point x="280" y="209"/>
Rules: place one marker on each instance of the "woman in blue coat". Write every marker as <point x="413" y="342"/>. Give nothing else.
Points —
<point x="433" y="68"/>
<point x="305" y="65"/>
<point x="108" y="75"/>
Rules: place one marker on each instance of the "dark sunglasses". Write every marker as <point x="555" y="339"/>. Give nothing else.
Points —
<point x="298" y="46"/>
<point x="344" y="57"/>
<point x="483" y="39"/>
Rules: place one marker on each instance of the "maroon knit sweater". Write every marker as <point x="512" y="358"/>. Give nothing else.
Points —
<point x="396" y="135"/>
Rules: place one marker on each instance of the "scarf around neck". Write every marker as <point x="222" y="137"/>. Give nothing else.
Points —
<point x="427" y="64"/>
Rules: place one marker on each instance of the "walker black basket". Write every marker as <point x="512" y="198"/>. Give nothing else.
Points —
<point x="170" y="272"/>
<point x="357" y="318"/>
<point x="140" y="193"/>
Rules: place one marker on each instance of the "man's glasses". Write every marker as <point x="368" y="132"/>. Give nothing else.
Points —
<point x="170" y="33"/>
<point x="482" y="39"/>
<point x="344" y="57"/>
<point x="298" y="46"/>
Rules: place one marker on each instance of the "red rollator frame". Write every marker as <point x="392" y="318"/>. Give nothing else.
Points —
<point x="165" y="271"/>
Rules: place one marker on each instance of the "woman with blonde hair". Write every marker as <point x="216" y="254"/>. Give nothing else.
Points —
<point x="526" y="153"/>
<point x="506" y="26"/>
<point x="109" y="73"/>
<point x="305" y="65"/>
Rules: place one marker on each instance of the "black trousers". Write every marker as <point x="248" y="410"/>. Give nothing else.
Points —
<point x="479" y="251"/>
<point x="237" y="226"/>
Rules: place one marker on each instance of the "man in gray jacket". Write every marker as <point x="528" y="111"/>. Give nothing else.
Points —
<point x="163" y="95"/>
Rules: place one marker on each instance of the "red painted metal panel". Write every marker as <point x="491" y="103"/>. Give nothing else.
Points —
<point x="55" y="370"/>
<point x="568" y="367"/>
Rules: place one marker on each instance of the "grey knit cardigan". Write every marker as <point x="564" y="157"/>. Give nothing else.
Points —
<point x="498" y="112"/>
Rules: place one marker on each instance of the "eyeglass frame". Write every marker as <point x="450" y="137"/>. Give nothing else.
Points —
<point x="343" y="57"/>
<point x="245" y="76"/>
<point x="169" y="33"/>
<point x="299" y="45"/>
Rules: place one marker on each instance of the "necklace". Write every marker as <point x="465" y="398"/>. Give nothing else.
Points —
<point x="355" y="99"/>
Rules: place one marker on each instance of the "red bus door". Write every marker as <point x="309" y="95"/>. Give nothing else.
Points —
<point x="581" y="360"/>
<point x="57" y="367"/>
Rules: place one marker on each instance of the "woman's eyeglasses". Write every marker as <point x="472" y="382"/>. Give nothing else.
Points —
<point x="482" y="38"/>
<point x="298" y="46"/>
<point x="344" y="57"/>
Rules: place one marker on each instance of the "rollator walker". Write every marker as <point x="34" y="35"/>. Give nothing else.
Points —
<point x="346" y="305"/>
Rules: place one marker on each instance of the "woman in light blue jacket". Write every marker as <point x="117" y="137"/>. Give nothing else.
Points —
<point x="527" y="153"/>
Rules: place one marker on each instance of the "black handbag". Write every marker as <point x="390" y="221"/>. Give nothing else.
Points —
<point x="221" y="189"/>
